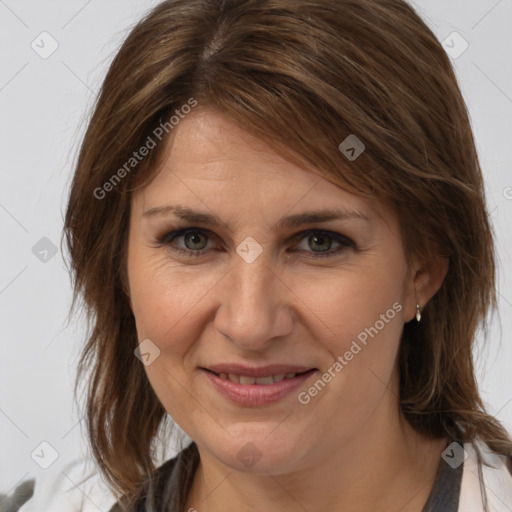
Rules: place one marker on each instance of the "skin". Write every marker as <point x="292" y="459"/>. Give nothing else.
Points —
<point x="349" y="448"/>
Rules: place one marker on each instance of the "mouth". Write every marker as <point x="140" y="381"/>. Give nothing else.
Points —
<point x="265" y="380"/>
<point x="247" y="390"/>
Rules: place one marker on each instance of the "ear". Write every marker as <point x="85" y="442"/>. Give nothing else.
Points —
<point x="426" y="277"/>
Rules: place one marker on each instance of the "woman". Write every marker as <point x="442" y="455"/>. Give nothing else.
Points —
<point x="278" y="228"/>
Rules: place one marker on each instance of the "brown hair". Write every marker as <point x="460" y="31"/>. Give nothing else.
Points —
<point x="302" y="75"/>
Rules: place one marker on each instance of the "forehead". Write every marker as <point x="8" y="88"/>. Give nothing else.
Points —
<point x="210" y="145"/>
<point x="210" y="160"/>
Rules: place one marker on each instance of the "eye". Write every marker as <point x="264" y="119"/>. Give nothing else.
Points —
<point x="321" y="242"/>
<point x="195" y="241"/>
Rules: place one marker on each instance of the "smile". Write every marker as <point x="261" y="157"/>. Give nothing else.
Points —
<point x="249" y="391"/>
<point x="262" y="381"/>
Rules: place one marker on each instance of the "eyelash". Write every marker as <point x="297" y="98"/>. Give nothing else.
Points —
<point x="169" y="236"/>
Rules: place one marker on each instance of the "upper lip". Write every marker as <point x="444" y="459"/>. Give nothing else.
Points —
<point x="261" y="371"/>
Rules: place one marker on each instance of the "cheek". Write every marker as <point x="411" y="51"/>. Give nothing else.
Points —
<point x="166" y="302"/>
<point x="349" y="303"/>
<point x="163" y="294"/>
<point x="359" y="317"/>
<point x="172" y="306"/>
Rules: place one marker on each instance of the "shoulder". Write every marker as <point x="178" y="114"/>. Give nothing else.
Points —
<point x="491" y="474"/>
<point x="74" y="487"/>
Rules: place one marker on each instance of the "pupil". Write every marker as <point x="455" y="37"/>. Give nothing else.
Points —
<point x="195" y="238"/>
<point x="322" y="238"/>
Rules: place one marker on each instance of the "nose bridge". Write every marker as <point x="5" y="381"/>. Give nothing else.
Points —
<point x="253" y="281"/>
<point x="253" y="308"/>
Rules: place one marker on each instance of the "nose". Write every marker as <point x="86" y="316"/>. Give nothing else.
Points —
<point x="255" y="304"/>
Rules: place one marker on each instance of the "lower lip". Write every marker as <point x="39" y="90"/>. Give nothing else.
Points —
<point x="257" y="394"/>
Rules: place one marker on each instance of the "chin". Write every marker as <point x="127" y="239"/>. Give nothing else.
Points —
<point x="258" y="448"/>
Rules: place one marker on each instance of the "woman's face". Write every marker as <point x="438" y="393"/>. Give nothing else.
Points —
<point x="258" y="290"/>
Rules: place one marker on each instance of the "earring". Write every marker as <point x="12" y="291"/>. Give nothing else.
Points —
<point x="418" y="313"/>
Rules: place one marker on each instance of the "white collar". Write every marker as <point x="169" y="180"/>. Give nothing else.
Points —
<point x="496" y="477"/>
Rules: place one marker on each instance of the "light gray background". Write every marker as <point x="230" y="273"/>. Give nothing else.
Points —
<point x="43" y="104"/>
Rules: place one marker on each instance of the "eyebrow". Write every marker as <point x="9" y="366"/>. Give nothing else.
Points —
<point x="311" y="217"/>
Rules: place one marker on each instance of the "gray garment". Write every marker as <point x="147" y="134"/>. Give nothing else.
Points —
<point x="444" y="497"/>
<point x="22" y="493"/>
<point x="446" y="491"/>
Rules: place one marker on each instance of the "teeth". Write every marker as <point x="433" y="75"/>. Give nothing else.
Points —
<point x="264" y="381"/>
